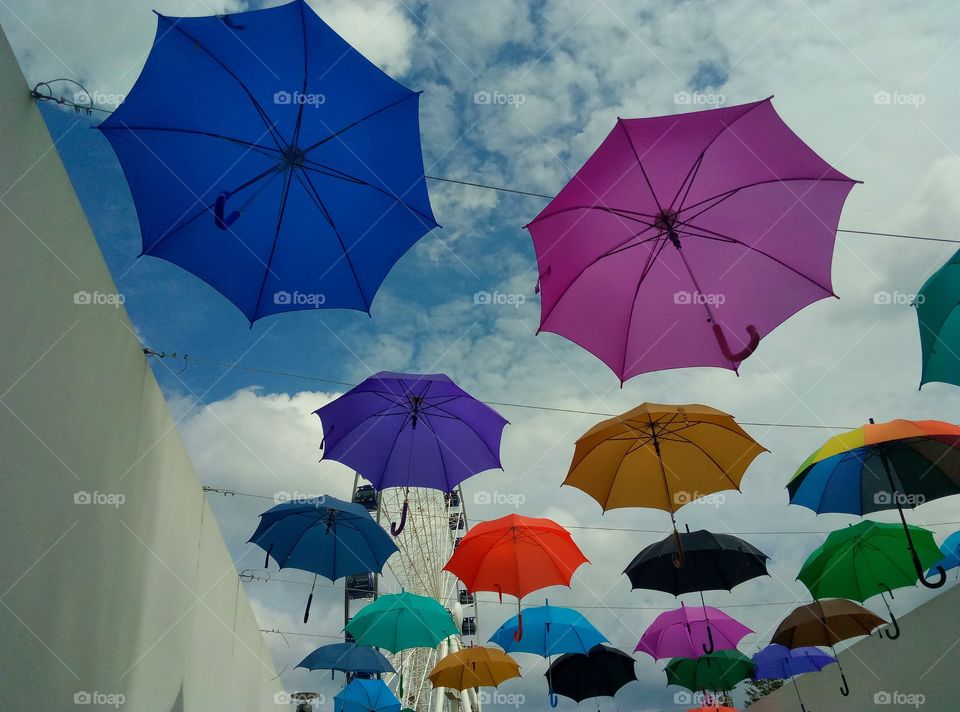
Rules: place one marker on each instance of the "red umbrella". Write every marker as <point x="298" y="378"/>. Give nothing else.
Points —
<point x="516" y="555"/>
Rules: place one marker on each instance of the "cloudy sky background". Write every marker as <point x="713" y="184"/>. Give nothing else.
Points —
<point x="577" y="66"/>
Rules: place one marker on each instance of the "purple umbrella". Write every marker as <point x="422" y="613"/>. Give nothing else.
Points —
<point x="778" y="662"/>
<point x="686" y="239"/>
<point x="410" y="430"/>
<point x="689" y="632"/>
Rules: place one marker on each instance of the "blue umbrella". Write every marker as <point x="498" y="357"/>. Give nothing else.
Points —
<point x="951" y="554"/>
<point x="272" y="160"/>
<point x="778" y="662"/>
<point x="366" y="696"/>
<point x="325" y="536"/>
<point x="549" y="630"/>
<point x="347" y="657"/>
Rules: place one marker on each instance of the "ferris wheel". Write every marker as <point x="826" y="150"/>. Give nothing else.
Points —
<point x="436" y="521"/>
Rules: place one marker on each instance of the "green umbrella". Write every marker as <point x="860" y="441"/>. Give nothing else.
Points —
<point x="867" y="559"/>
<point x="719" y="670"/>
<point x="398" y="621"/>
<point x="939" y="318"/>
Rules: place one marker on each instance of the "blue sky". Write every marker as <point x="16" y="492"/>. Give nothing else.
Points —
<point x="577" y="66"/>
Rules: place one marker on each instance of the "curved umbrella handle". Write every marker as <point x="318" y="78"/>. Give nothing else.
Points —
<point x="680" y="556"/>
<point x="394" y="529"/>
<point x="306" y="613"/>
<point x="896" y="627"/>
<point x="518" y="634"/>
<point x="941" y="573"/>
<point x="554" y="700"/>
<point x="266" y="559"/>
<point x="740" y="355"/>
<point x="219" y="209"/>
<point x="845" y="690"/>
<point x="709" y="649"/>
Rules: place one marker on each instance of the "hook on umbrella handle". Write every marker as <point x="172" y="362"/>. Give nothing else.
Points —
<point x="306" y="613"/>
<point x="739" y="355"/>
<point x="707" y="649"/>
<point x="394" y="528"/>
<point x="679" y="556"/>
<point x="219" y="210"/>
<point x="554" y="700"/>
<point x="941" y="574"/>
<point x="896" y="627"/>
<point x="518" y="633"/>
<point x="845" y="690"/>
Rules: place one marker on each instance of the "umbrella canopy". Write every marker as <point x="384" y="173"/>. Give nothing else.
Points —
<point x="661" y="456"/>
<point x="685" y="239"/>
<point x="939" y="321"/>
<point x="712" y="562"/>
<point x="347" y="657"/>
<point x="366" y="696"/>
<point x="690" y="632"/>
<point x="778" y="662"/>
<point x="515" y="555"/>
<point x="879" y="466"/>
<point x="713" y="709"/>
<point x="398" y="621"/>
<point x="550" y="630"/>
<point x="285" y="174"/>
<point x="720" y="670"/>
<point x="411" y="430"/>
<point x="601" y="672"/>
<point x="951" y="554"/>
<point x="474" y="667"/>
<point x="325" y="536"/>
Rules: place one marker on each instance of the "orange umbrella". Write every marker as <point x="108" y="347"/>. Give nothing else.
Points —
<point x="516" y="555"/>
<point x="474" y="667"/>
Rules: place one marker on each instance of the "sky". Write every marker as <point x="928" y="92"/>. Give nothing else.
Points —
<point x="871" y="87"/>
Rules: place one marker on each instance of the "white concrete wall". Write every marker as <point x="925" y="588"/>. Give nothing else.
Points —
<point x="918" y="671"/>
<point x="139" y="600"/>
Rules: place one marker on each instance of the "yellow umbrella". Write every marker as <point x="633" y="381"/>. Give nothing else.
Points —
<point x="662" y="457"/>
<point x="474" y="667"/>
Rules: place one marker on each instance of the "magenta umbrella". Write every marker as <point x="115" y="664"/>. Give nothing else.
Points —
<point x="691" y="631"/>
<point x="686" y="239"/>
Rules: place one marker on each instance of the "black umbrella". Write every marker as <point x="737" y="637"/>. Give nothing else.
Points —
<point x="712" y="562"/>
<point x="601" y="672"/>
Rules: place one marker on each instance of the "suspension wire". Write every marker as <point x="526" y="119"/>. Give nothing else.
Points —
<point x="503" y="404"/>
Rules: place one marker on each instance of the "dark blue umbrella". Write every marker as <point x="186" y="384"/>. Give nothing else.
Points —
<point x="366" y="696"/>
<point x="778" y="662"/>
<point x="271" y="159"/>
<point x="325" y="536"/>
<point x="347" y="657"/>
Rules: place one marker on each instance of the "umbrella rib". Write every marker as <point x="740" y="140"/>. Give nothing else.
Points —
<point x="276" y="238"/>
<point x="311" y="191"/>
<point x="473" y="430"/>
<point x="640" y="164"/>
<point x="274" y="132"/>
<point x="652" y="256"/>
<point x="352" y="124"/>
<point x="265" y="150"/>
<point x="303" y="92"/>
<point x="633" y="215"/>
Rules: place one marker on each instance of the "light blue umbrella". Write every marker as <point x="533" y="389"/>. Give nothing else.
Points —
<point x="951" y="554"/>
<point x="366" y="696"/>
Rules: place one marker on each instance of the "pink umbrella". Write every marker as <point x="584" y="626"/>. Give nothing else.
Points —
<point x="689" y="632"/>
<point x="686" y="239"/>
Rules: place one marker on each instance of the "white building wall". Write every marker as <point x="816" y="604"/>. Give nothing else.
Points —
<point x="139" y="600"/>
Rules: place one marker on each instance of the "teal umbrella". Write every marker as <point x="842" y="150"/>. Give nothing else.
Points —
<point x="939" y="318"/>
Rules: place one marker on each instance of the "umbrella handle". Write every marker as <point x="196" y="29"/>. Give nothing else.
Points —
<point x="266" y="559"/>
<point x="394" y="529"/>
<point x="306" y="613"/>
<point x="219" y="208"/>
<point x="845" y="690"/>
<point x="518" y="633"/>
<point x="554" y="700"/>
<point x="896" y="627"/>
<point x="679" y="557"/>
<point x="707" y="650"/>
<point x="740" y="355"/>
<point x="941" y="573"/>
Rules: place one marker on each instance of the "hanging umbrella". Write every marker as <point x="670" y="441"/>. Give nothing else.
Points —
<point x="366" y="696"/>
<point x="272" y="160"/>
<point x="867" y="559"/>
<point x="474" y="667"/>
<point x="826" y="623"/>
<point x="349" y="658"/>
<point x="398" y="621"/>
<point x="879" y="466"/>
<point x="720" y="670"/>
<point x="662" y="457"/>
<point x="515" y="555"/>
<point x="686" y="239"/>
<point x="714" y="709"/>
<point x="936" y="305"/>
<point x="325" y="536"/>
<point x="411" y="430"/>
<point x="690" y="632"/>
<point x="712" y="562"/>
<point x="550" y="630"/>
<point x="601" y="672"/>
<point x="951" y="554"/>
<point x="776" y="662"/>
